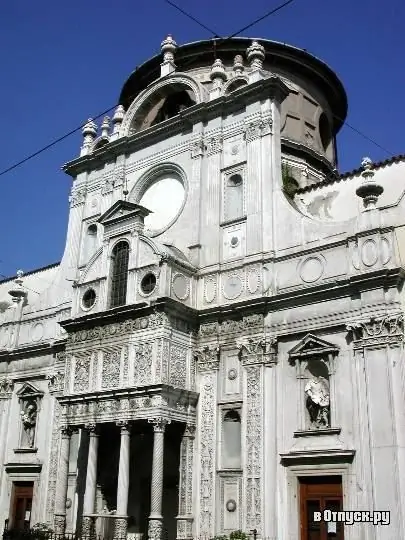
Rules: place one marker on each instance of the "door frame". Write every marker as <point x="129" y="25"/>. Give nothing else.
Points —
<point x="13" y="499"/>
<point x="292" y="524"/>
<point x="24" y="473"/>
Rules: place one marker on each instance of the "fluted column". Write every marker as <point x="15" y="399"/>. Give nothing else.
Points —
<point x="91" y="479"/>
<point x="62" y="481"/>
<point x="123" y="481"/>
<point x="185" y="513"/>
<point x="155" y="529"/>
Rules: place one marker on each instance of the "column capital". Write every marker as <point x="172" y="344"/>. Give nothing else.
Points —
<point x="124" y="426"/>
<point x="67" y="431"/>
<point x="159" y="424"/>
<point x="92" y="428"/>
<point x="189" y="431"/>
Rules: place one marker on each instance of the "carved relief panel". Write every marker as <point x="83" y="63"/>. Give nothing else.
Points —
<point x="231" y="380"/>
<point x="230" y="503"/>
<point x="314" y="361"/>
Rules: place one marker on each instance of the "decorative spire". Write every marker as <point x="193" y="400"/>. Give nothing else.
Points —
<point x="218" y="77"/>
<point x="105" y="127"/>
<point x="89" y="134"/>
<point x="255" y="55"/>
<point x="238" y="66"/>
<point x="168" y="48"/>
<point x="17" y="292"/>
<point x="369" y="190"/>
<point x="117" y="121"/>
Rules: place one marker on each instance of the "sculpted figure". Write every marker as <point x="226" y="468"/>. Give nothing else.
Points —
<point x="318" y="401"/>
<point x="29" y="420"/>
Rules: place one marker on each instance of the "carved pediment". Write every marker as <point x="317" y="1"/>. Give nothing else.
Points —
<point x="122" y="211"/>
<point x="28" y="391"/>
<point x="312" y="345"/>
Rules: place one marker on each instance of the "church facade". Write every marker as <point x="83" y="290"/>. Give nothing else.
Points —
<point x="221" y="346"/>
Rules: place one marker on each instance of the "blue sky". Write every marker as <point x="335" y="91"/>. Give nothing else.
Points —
<point x="62" y="62"/>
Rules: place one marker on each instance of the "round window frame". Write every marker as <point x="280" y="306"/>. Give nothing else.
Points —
<point x="152" y="177"/>
<point x="141" y="292"/>
<point x="83" y="306"/>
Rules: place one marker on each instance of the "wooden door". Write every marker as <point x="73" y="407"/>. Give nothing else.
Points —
<point x="316" y="495"/>
<point x="21" y="505"/>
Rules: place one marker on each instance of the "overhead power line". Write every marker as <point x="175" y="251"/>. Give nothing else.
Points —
<point x="217" y="39"/>
<point x="191" y="17"/>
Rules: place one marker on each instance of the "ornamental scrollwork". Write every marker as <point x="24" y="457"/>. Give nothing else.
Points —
<point x="56" y="381"/>
<point x="77" y="196"/>
<point x="6" y="386"/>
<point x="208" y="357"/>
<point x="377" y="330"/>
<point x="213" y="145"/>
<point x="260" y="349"/>
<point x="197" y="148"/>
<point x="159" y="424"/>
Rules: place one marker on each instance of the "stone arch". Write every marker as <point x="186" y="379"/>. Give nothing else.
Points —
<point x="177" y="82"/>
<point x="235" y="83"/>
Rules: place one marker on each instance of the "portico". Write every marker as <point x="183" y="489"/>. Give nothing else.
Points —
<point x="134" y="463"/>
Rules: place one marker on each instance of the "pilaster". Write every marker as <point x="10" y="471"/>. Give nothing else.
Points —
<point x="255" y="353"/>
<point x="208" y="366"/>
<point x="62" y="481"/>
<point x="185" y="515"/>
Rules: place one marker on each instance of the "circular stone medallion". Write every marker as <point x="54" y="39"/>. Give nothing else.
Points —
<point x="232" y="287"/>
<point x="369" y="253"/>
<point x="311" y="269"/>
<point x="37" y="332"/>
<point x="180" y="286"/>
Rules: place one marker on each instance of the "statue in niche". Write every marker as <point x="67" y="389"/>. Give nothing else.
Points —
<point x="29" y="422"/>
<point x="318" y="402"/>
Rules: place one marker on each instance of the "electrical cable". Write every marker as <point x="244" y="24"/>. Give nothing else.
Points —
<point x="221" y="40"/>
<point x="175" y="6"/>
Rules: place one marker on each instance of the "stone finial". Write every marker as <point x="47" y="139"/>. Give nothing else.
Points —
<point x="105" y="127"/>
<point x="117" y="120"/>
<point x="218" y="75"/>
<point x="238" y="66"/>
<point x="369" y="190"/>
<point x="89" y="131"/>
<point x="17" y="292"/>
<point x="255" y="55"/>
<point x="168" y="48"/>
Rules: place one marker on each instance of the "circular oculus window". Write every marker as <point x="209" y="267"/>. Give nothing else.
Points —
<point x="148" y="283"/>
<point x="165" y="198"/>
<point x="89" y="299"/>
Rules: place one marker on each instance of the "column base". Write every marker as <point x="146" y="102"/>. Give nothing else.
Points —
<point x="121" y="527"/>
<point x="155" y="528"/>
<point x="184" y="527"/>
<point x="59" y="523"/>
<point x="88" y="527"/>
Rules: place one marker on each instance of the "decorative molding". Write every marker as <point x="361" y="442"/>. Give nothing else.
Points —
<point x="257" y="127"/>
<point x="197" y="148"/>
<point x="231" y="326"/>
<point x="77" y="196"/>
<point x="377" y="331"/>
<point x="257" y="350"/>
<point x="126" y="327"/>
<point x="208" y="358"/>
<point x="6" y="387"/>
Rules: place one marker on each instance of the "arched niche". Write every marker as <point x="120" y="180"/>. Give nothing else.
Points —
<point x="162" y="100"/>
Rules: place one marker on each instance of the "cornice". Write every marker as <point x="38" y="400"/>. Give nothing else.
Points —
<point x="202" y="112"/>
<point x="32" y="350"/>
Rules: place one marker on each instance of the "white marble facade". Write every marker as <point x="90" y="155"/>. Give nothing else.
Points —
<point x="250" y="337"/>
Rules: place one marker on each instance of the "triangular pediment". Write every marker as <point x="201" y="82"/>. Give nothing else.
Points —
<point x="123" y="211"/>
<point x="312" y="345"/>
<point x="27" y="390"/>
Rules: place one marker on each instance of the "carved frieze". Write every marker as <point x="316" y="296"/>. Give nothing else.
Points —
<point x="207" y="357"/>
<point x="81" y="378"/>
<point x="257" y="127"/>
<point x="110" y="377"/>
<point x="77" y="196"/>
<point x="257" y="349"/>
<point x="143" y="364"/>
<point x="6" y="387"/>
<point x="56" y="381"/>
<point x="377" y="331"/>
<point x="178" y="366"/>
<point x="213" y="144"/>
<point x="103" y="332"/>
<point x="197" y="148"/>
<point x="231" y="326"/>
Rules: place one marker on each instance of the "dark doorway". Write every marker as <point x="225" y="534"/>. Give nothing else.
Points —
<point x="318" y="494"/>
<point x="21" y="505"/>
